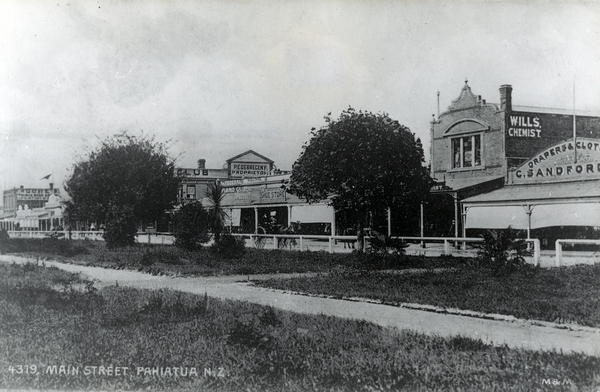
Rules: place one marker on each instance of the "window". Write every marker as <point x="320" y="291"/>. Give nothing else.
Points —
<point x="466" y="151"/>
<point x="191" y="192"/>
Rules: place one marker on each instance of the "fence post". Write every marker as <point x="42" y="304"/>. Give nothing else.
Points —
<point x="274" y="242"/>
<point x="446" y="248"/>
<point x="330" y="244"/>
<point x="536" y="251"/>
<point x="558" y="253"/>
<point x="301" y="243"/>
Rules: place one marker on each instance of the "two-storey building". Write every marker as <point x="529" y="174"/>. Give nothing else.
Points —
<point x="536" y="169"/>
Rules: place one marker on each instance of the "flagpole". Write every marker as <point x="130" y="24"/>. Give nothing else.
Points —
<point x="574" y="126"/>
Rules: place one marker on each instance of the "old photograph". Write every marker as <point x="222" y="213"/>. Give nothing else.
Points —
<point x="345" y="195"/>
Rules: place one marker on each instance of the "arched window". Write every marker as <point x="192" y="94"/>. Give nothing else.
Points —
<point x="466" y="143"/>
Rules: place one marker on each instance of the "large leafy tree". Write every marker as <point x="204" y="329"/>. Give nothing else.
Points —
<point x="125" y="181"/>
<point x="362" y="162"/>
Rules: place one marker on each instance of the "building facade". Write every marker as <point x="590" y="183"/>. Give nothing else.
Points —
<point x="32" y="209"/>
<point x="193" y="182"/>
<point x="27" y="197"/>
<point x="262" y="205"/>
<point x="535" y="169"/>
<point x="256" y="200"/>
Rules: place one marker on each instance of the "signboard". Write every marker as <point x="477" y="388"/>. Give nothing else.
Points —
<point x="35" y="194"/>
<point x="272" y="195"/>
<point x="241" y="181"/>
<point x="526" y="133"/>
<point x="241" y="189"/>
<point x="241" y="198"/>
<point x="239" y="169"/>
<point x="557" y="163"/>
<point x="192" y="172"/>
<point x="524" y="126"/>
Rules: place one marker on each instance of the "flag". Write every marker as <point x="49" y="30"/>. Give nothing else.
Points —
<point x="46" y="177"/>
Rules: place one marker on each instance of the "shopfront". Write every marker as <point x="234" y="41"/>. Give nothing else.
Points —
<point x="530" y="168"/>
<point x="262" y="205"/>
<point x="555" y="194"/>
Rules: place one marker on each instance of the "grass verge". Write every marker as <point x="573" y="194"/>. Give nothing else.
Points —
<point x="51" y="319"/>
<point x="564" y="295"/>
<point x="168" y="259"/>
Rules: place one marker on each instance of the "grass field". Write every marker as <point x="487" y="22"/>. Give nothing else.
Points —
<point x="566" y="295"/>
<point x="129" y="339"/>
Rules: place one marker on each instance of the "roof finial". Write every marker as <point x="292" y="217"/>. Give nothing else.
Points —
<point x="466" y="80"/>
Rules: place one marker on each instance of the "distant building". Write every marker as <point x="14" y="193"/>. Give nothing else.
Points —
<point x="255" y="197"/>
<point x="33" y="209"/>
<point x="30" y="197"/>
<point x="194" y="181"/>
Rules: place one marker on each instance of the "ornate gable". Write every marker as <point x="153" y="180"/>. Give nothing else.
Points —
<point x="466" y="99"/>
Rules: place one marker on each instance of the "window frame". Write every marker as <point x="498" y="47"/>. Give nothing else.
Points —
<point x="461" y="139"/>
<point x="190" y="195"/>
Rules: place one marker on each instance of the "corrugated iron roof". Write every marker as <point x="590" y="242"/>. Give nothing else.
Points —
<point x="462" y="183"/>
<point x="549" y="191"/>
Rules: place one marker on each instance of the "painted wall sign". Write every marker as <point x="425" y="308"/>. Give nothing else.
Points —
<point x="524" y="126"/>
<point x="557" y="163"/>
<point x="242" y="189"/>
<point x="35" y="194"/>
<point x="241" y="181"/>
<point x="272" y="195"/>
<point x="249" y="169"/>
<point x="241" y="198"/>
<point x="526" y="133"/>
<point x="194" y="172"/>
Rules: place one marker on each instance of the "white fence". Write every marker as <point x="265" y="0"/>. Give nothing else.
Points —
<point x="559" y="247"/>
<point x="149" y="238"/>
<point x="299" y="242"/>
<point x="429" y="246"/>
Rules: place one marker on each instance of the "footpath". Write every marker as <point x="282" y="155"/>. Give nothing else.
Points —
<point x="499" y="330"/>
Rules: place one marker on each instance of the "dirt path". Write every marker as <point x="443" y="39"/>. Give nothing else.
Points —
<point x="518" y="334"/>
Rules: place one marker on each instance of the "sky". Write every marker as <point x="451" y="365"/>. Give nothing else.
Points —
<point x="217" y="78"/>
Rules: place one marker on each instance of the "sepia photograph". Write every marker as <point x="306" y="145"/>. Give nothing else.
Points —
<point x="262" y="195"/>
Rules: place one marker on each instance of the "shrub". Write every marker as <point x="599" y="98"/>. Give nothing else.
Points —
<point x="191" y="226"/>
<point x="54" y="246"/>
<point x="229" y="247"/>
<point x="120" y="227"/>
<point x="384" y="246"/>
<point x="502" y="251"/>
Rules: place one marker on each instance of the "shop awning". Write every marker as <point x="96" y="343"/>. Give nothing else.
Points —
<point x="553" y="204"/>
<point x="315" y="213"/>
<point x="567" y="214"/>
<point x="496" y="217"/>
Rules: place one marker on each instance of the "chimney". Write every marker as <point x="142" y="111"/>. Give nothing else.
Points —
<point x="506" y="97"/>
<point x="201" y="163"/>
<point x="51" y="186"/>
